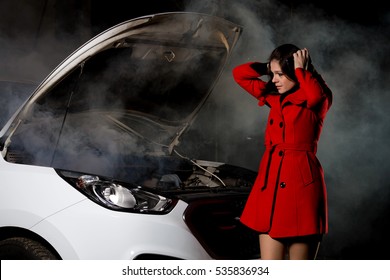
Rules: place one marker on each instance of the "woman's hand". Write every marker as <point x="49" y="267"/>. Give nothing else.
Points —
<point x="301" y="59"/>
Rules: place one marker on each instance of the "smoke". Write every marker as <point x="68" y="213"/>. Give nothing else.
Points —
<point x="354" y="151"/>
<point x="353" y="60"/>
<point x="36" y="35"/>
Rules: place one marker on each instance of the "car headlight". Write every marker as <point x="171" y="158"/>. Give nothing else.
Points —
<point x="119" y="196"/>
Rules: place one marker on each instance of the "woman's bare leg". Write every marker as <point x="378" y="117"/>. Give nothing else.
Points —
<point x="271" y="249"/>
<point x="304" y="250"/>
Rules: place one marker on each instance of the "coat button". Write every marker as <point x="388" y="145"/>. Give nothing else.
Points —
<point x="271" y="121"/>
<point x="280" y="153"/>
<point x="281" y="124"/>
<point x="282" y="185"/>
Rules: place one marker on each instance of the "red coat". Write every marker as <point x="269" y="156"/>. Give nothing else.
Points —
<point x="289" y="195"/>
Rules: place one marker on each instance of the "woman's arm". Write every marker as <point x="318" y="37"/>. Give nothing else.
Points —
<point x="309" y="80"/>
<point x="248" y="75"/>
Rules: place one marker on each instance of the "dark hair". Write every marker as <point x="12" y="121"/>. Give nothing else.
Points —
<point x="284" y="54"/>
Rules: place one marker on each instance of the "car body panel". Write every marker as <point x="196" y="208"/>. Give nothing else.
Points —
<point x="30" y="184"/>
<point x="84" y="227"/>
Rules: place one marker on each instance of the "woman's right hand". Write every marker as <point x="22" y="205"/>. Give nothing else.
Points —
<point x="301" y="59"/>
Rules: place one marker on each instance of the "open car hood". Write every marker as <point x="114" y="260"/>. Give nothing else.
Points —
<point x="148" y="76"/>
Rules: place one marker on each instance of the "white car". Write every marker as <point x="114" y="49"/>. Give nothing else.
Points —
<point x="90" y="164"/>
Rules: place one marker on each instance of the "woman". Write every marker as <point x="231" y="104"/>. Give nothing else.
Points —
<point x="288" y="202"/>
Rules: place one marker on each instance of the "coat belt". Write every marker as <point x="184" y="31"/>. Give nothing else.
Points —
<point x="310" y="147"/>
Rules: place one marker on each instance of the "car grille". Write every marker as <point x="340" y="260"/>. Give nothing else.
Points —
<point x="215" y="223"/>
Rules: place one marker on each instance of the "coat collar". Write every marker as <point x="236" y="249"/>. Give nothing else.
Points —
<point x="298" y="97"/>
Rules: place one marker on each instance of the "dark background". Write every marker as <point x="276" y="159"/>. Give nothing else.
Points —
<point x="349" y="46"/>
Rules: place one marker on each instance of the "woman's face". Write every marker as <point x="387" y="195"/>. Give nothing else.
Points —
<point x="281" y="81"/>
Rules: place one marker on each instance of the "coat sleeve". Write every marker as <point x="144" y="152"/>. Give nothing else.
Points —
<point x="248" y="76"/>
<point x="314" y="87"/>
